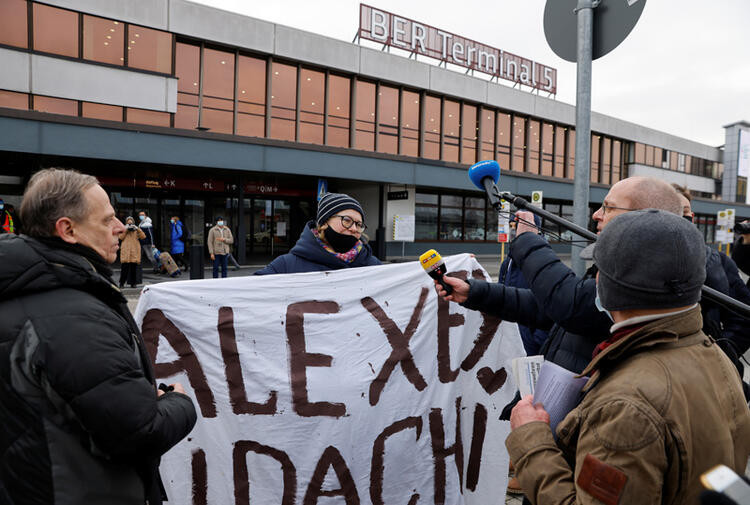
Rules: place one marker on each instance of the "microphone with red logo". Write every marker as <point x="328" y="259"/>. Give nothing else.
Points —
<point x="435" y="267"/>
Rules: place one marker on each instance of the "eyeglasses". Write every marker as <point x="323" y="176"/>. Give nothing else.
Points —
<point x="605" y="208"/>
<point x="348" y="222"/>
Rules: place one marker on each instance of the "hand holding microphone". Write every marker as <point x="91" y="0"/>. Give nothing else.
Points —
<point x="452" y="289"/>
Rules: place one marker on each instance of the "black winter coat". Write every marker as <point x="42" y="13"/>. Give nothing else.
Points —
<point x="80" y="417"/>
<point x="722" y="275"/>
<point x="557" y="300"/>
<point x="308" y="256"/>
<point x="741" y="255"/>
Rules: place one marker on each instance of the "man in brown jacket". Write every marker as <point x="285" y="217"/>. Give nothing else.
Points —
<point x="219" y="246"/>
<point x="663" y="404"/>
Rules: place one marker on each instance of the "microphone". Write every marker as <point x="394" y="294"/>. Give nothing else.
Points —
<point x="485" y="175"/>
<point x="434" y="265"/>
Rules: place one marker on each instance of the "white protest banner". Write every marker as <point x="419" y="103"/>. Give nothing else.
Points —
<point x="352" y="386"/>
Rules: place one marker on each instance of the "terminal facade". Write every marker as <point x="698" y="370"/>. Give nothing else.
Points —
<point x="183" y="109"/>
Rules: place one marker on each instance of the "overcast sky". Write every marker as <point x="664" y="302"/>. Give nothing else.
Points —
<point x="684" y="69"/>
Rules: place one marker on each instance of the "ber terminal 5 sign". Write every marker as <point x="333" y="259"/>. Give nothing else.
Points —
<point x="419" y="38"/>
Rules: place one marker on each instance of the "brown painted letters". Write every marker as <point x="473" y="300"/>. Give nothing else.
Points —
<point x="241" y="476"/>
<point x="378" y="453"/>
<point x="440" y="451"/>
<point x="331" y="458"/>
<point x="155" y="323"/>
<point x="400" y="343"/>
<point x="300" y="359"/>
<point x="233" y="370"/>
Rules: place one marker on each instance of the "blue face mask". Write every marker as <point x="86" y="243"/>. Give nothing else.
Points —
<point x="141" y="217"/>
<point x="599" y="306"/>
<point x="2" y="206"/>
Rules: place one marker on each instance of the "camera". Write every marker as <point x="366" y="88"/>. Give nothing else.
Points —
<point x="742" y="228"/>
<point x="131" y="227"/>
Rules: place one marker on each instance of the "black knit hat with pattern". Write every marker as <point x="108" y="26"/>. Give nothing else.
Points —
<point x="332" y="203"/>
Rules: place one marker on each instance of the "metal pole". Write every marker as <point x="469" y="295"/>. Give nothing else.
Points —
<point x="585" y="17"/>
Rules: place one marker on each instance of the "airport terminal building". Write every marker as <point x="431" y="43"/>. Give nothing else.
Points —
<point x="179" y="108"/>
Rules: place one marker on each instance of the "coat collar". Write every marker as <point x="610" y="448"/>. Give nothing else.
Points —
<point x="667" y="330"/>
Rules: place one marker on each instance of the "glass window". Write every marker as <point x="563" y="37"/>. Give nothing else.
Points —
<point x="338" y="111"/>
<point x="311" y="97"/>
<point x="431" y="127"/>
<point x="56" y="105"/>
<point x="55" y="30"/>
<point x="595" y="149"/>
<point x="559" y="170"/>
<point x="504" y="134"/>
<point x="548" y="148"/>
<point x="13" y="100"/>
<point x="640" y="153"/>
<point x="388" y="119"/>
<point x="101" y="111"/>
<point x="605" y="165"/>
<point x="451" y="130"/>
<point x="150" y="117"/>
<point x="672" y="160"/>
<point x="487" y="118"/>
<point x="469" y="134"/>
<point x="218" y="91"/>
<point x="149" y="49"/>
<point x="426" y="218"/>
<point x="660" y="157"/>
<point x="409" y="123"/>
<point x="283" y="101"/>
<point x="571" y="153"/>
<point x="187" y="71"/>
<point x="650" y="156"/>
<point x="365" y="118"/>
<point x="616" y="161"/>
<point x="14" y="23"/>
<point x="103" y="40"/>
<point x="474" y="219"/>
<point x="519" y="143"/>
<point x="251" y="96"/>
<point x="532" y="144"/>
<point x="451" y="208"/>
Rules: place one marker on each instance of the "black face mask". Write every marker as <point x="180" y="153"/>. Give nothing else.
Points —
<point x="340" y="242"/>
<point x="689" y="218"/>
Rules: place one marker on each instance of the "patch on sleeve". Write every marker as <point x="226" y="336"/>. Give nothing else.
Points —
<point x="602" y="481"/>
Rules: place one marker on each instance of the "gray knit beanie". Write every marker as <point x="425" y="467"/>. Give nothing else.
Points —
<point x="332" y="203"/>
<point x="650" y="259"/>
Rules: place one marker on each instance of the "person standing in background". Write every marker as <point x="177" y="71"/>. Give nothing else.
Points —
<point x="178" y="235"/>
<point x="147" y="244"/>
<point x="130" y="252"/>
<point x="219" y="246"/>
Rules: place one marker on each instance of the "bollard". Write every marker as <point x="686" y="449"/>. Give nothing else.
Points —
<point x="196" y="261"/>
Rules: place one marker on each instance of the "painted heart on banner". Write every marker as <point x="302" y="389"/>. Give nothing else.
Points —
<point x="491" y="381"/>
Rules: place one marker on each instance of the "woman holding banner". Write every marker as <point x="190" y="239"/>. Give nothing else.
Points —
<point x="333" y="241"/>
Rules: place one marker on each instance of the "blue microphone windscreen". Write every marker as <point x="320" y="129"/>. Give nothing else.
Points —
<point x="482" y="169"/>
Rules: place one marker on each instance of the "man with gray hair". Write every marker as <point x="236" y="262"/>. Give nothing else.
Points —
<point x="81" y="417"/>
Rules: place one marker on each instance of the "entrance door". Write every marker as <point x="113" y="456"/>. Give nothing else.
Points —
<point x="262" y="230"/>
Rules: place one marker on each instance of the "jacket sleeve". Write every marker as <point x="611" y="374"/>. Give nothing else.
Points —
<point x="735" y="327"/>
<point x="210" y="241"/>
<point x="618" y="434"/>
<point x="277" y="266"/>
<point x="93" y="368"/>
<point x="741" y="255"/>
<point x="506" y="302"/>
<point x="230" y="238"/>
<point x="141" y="235"/>
<point x="565" y="298"/>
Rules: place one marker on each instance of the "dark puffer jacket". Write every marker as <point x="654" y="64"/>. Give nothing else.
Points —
<point x="557" y="300"/>
<point x="80" y="417"/>
<point x="308" y="256"/>
<point x="741" y="255"/>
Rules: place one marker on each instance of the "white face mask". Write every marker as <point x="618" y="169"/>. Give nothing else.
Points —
<point x="599" y="306"/>
<point x="220" y="223"/>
